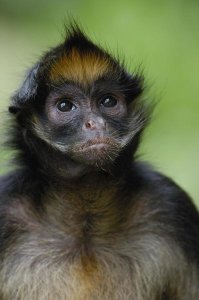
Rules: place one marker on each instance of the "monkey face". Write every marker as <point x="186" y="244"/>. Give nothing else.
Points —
<point x="92" y="125"/>
<point x="87" y="125"/>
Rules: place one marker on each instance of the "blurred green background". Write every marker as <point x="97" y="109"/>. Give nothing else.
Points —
<point x="163" y="36"/>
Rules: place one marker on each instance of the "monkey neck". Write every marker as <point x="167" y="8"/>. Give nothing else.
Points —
<point x="90" y="207"/>
<point x="60" y="167"/>
<point x="57" y="167"/>
<point x="67" y="170"/>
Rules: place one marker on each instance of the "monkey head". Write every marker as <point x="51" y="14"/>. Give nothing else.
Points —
<point x="80" y="103"/>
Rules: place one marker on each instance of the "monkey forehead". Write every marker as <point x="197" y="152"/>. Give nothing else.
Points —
<point x="82" y="68"/>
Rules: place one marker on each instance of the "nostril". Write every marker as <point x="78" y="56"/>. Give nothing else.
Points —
<point x="97" y="124"/>
<point x="89" y="124"/>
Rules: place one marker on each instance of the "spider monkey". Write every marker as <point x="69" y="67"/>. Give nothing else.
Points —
<point x="80" y="216"/>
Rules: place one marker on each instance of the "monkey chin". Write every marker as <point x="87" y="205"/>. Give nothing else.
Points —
<point x="98" y="153"/>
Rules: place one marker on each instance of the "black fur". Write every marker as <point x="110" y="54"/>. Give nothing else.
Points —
<point x="42" y="169"/>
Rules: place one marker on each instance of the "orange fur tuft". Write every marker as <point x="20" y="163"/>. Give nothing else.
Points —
<point x="80" y="68"/>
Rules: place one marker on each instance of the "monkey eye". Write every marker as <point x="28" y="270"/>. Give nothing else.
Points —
<point x="108" y="101"/>
<point x="65" y="105"/>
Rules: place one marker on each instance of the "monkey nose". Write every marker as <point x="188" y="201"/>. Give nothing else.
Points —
<point x="90" y="124"/>
<point x="94" y="124"/>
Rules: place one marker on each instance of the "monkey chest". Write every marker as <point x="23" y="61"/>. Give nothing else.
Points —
<point x="55" y="267"/>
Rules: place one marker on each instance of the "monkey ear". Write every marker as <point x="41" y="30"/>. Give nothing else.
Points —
<point x="27" y="91"/>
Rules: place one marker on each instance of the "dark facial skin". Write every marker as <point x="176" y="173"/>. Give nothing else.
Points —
<point x="84" y="124"/>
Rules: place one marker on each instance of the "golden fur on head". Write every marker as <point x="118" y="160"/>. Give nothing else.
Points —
<point x="80" y="60"/>
<point x="79" y="68"/>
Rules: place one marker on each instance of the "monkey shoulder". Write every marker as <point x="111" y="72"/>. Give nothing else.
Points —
<point x="15" y="201"/>
<point x="20" y="183"/>
<point x="168" y="206"/>
<point x="7" y="183"/>
<point x="159" y="187"/>
<point x="11" y="184"/>
<point x="162" y="192"/>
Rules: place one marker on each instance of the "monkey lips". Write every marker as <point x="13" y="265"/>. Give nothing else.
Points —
<point x="98" y="151"/>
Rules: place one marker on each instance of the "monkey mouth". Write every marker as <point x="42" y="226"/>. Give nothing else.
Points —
<point x="98" y="151"/>
<point x="97" y="144"/>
